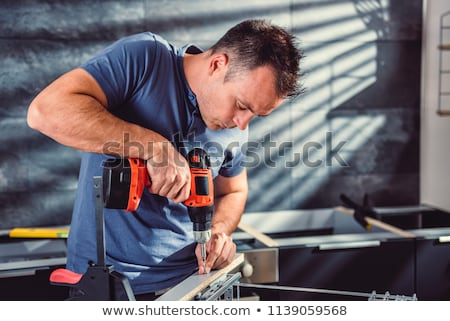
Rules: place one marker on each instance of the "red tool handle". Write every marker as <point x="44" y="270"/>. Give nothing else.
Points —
<point x="64" y="276"/>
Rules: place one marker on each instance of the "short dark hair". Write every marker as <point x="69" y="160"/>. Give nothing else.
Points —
<point x="257" y="42"/>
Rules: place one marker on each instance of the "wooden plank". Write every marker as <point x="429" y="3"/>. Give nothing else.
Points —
<point x="377" y="223"/>
<point x="263" y="238"/>
<point x="443" y="112"/>
<point x="190" y="287"/>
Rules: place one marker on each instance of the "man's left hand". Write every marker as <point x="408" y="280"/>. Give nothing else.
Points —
<point x="220" y="251"/>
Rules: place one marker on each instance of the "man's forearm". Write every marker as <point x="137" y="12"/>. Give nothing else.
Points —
<point x="228" y="210"/>
<point x="78" y="117"/>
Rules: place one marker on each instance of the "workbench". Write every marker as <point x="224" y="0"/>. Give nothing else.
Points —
<point x="314" y="249"/>
<point x="25" y="267"/>
<point x="335" y="253"/>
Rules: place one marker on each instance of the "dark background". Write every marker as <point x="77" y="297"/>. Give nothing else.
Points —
<point x="359" y="115"/>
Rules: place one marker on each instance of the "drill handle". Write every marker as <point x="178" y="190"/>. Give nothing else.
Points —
<point x="202" y="188"/>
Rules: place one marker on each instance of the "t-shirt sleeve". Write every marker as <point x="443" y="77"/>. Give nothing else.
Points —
<point x="234" y="162"/>
<point x="120" y="68"/>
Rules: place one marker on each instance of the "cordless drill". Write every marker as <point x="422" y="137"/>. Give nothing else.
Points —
<point x="124" y="180"/>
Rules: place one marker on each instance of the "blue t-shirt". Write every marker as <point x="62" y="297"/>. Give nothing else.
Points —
<point x="143" y="79"/>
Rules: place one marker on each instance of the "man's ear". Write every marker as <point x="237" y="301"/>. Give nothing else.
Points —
<point x="218" y="63"/>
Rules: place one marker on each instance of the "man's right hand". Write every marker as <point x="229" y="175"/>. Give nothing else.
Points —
<point x="169" y="172"/>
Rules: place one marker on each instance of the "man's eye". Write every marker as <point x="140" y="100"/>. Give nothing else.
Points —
<point x="240" y="107"/>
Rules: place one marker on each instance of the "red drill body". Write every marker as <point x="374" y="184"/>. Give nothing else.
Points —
<point x="124" y="180"/>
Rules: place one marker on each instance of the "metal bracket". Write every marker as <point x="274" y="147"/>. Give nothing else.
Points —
<point x="221" y="290"/>
<point x="389" y="297"/>
<point x="261" y="265"/>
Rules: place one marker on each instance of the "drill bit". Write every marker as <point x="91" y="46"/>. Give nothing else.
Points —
<point x="203" y="249"/>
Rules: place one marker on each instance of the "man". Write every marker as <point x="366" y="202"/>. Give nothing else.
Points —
<point x="144" y="98"/>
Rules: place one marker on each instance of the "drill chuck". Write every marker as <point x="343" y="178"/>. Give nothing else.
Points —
<point x="202" y="236"/>
<point x="201" y="222"/>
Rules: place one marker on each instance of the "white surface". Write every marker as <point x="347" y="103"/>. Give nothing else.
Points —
<point x="435" y="130"/>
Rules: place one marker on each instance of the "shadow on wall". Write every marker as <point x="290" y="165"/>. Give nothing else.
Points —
<point x="355" y="52"/>
<point x="356" y="129"/>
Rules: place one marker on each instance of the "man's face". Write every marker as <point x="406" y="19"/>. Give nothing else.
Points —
<point x="235" y="102"/>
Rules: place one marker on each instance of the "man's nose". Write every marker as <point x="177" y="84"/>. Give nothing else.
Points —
<point x="242" y="119"/>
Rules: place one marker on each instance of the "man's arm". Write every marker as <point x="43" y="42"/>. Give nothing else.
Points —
<point x="229" y="203"/>
<point x="73" y="111"/>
